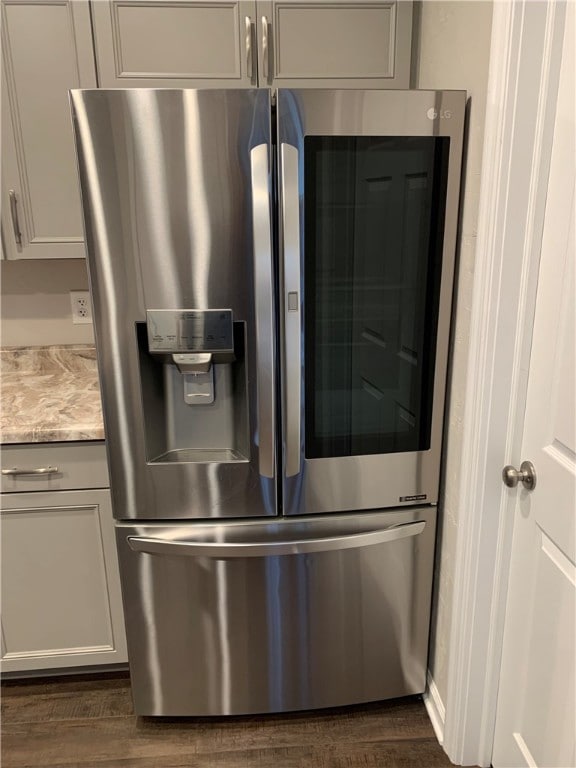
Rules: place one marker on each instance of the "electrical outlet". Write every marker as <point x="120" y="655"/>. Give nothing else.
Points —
<point x="81" y="307"/>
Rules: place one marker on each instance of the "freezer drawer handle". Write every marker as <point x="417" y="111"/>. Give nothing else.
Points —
<point x="274" y="548"/>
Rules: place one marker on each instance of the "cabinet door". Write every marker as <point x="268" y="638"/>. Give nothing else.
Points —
<point x="334" y="44"/>
<point x="61" y="603"/>
<point x="47" y="49"/>
<point x="177" y="44"/>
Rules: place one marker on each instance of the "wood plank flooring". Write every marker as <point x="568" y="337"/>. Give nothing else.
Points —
<point x="87" y="722"/>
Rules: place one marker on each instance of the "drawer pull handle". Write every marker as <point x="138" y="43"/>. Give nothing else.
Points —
<point x="37" y="471"/>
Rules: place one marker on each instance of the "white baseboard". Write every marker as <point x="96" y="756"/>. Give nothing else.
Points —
<point x="435" y="708"/>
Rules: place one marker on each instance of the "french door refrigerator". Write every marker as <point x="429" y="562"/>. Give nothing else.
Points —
<point x="272" y="291"/>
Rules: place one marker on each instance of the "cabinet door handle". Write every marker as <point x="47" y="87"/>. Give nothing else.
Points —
<point x="249" y="53"/>
<point x="14" y="212"/>
<point x="36" y="471"/>
<point x="265" y="51"/>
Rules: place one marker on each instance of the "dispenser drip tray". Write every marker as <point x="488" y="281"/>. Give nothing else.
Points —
<point x="200" y="456"/>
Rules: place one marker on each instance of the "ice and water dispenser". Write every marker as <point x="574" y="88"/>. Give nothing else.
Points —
<point x="194" y="388"/>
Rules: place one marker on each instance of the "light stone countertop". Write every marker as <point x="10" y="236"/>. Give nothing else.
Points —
<point x="49" y="394"/>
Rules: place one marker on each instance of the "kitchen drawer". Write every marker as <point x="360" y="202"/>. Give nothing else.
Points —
<point x="80" y="465"/>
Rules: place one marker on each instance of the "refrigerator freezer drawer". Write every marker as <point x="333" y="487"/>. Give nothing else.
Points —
<point x="239" y="618"/>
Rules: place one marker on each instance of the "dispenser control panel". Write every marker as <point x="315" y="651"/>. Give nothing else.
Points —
<point x="190" y="330"/>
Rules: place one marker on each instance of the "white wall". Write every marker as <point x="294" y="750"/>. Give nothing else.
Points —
<point x="35" y="306"/>
<point x="452" y="50"/>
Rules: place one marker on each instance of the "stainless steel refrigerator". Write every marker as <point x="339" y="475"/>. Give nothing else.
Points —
<point x="272" y="293"/>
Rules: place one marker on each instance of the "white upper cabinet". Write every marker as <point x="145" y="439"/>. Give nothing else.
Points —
<point x="334" y="44"/>
<point x="46" y="50"/>
<point x="175" y="44"/>
<point x="284" y="43"/>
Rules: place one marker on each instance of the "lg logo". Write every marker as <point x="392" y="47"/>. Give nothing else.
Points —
<point x="444" y="114"/>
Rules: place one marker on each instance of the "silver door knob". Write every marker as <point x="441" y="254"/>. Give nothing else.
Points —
<point x="526" y="474"/>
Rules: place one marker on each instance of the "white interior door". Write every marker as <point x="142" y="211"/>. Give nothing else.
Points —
<point x="536" y="704"/>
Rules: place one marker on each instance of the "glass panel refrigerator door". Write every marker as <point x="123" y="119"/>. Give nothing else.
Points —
<point x="373" y="224"/>
<point x="368" y="189"/>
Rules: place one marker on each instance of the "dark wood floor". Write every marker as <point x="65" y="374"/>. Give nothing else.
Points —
<point x="88" y="721"/>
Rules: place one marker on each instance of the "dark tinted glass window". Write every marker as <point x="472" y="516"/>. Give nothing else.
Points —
<point x="373" y="220"/>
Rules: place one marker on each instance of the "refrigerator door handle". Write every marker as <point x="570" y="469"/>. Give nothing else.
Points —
<point x="221" y="550"/>
<point x="292" y="305"/>
<point x="263" y="291"/>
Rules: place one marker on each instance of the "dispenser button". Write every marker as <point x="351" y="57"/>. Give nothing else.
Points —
<point x="207" y="330"/>
<point x="193" y="362"/>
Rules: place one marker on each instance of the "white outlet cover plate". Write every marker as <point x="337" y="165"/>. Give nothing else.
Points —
<point x="81" y="307"/>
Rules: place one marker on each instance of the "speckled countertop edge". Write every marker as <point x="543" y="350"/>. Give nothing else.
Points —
<point x="49" y="394"/>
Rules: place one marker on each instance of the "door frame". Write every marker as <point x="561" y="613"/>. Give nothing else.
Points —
<point x="525" y="57"/>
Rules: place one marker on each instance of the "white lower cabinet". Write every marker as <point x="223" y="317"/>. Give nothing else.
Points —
<point x="61" y="601"/>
